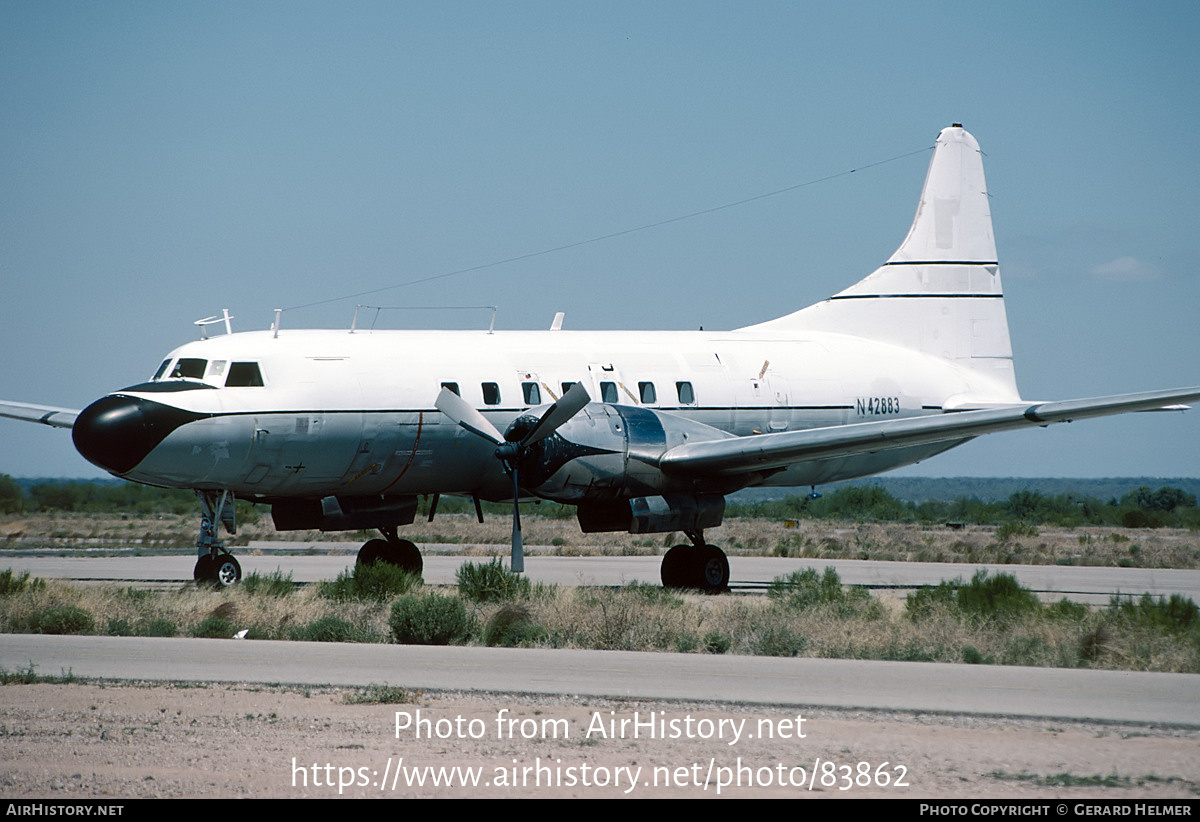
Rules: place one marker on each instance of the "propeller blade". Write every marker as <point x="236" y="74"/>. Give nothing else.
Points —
<point x="463" y="413"/>
<point x="517" y="562"/>
<point x="570" y="404"/>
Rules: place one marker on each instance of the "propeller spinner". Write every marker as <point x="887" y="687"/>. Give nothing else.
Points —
<point x="511" y="452"/>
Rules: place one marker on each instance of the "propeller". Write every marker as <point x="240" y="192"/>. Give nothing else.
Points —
<point x="511" y="452"/>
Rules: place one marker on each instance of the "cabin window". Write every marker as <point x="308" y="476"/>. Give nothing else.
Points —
<point x="533" y="393"/>
<point x="244" y="375"/>
<point x="686" y="395"/>
<point x="452" y="387"/>
<point x="491" y="393"/>
<point x="189" y="369"/>
<point x="162" y="369"/>
<point x="647" y="393"/>
<point x="566" y="386"/>
<point x="608" y="392"/>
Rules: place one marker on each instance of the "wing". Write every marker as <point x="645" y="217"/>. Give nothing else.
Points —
<point x="45" y="414"/>
<point x="770" y="451"/>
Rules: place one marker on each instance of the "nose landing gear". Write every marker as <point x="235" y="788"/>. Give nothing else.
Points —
<point x="214" y="565"/>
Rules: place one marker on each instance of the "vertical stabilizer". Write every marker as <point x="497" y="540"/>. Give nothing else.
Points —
<point x="940" y="292"/>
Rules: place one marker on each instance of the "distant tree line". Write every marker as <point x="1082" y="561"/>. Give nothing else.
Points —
<point x="1144" y="507"/>
<point x="93" y="497"/>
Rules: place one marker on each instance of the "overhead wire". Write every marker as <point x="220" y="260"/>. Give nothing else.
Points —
<point x="611" y="235"/>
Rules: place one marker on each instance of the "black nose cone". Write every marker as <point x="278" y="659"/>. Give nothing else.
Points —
<point x="118" y="432"/>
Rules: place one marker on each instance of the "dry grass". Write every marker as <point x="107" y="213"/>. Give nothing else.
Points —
<point x="265" y="617"/>
<point x="646" y="618"/>
<point x="1131" y="547"/>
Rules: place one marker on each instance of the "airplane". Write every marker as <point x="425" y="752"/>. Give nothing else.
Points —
<point x="642" y="431"/>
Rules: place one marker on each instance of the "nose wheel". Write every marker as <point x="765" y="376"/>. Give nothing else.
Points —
<point x="221" y="570"/>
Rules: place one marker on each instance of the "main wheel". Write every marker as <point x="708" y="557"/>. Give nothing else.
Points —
<point x="675" y="565"/>
<point x="401" y="553"/>
<point x="407" y="555"/>
<point x="372" y="551"/>
<point x="227" y="571"/>
<point x="713" y="569"/>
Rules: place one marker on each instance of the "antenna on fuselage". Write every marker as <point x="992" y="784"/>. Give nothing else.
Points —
<point x="207" y="321"/>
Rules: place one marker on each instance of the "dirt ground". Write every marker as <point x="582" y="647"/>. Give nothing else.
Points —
<point x="96" y="741"/>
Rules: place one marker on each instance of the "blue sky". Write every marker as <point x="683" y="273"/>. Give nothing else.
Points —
<point x="164" y="160"/>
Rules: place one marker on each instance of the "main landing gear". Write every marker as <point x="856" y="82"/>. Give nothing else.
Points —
<point x="392" y="550"/>
<point x="215" y="565"/>
<point x="698" y="566"/>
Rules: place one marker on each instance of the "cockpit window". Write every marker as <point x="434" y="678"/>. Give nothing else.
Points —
<point x="244" y="375"/>
<point x="162" y="369"/>
<point x="189" y="369"/>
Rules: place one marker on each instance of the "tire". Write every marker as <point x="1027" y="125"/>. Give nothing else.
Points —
<point x="675" y="565"/>
<point x="205" y="571"/>
<point x="226" y="571"/>
<point x="401" y="553"/>
<point x="372" y="551"/>
<point x="712" y="569"/>
<point x="405" y="554"/>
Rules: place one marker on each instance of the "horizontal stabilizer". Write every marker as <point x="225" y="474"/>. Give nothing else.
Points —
<point x="765" y="452"/>
<point x="45" y="414"/>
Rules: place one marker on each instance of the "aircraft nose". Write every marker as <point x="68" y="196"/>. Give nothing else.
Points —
<point x="118" y="432"/>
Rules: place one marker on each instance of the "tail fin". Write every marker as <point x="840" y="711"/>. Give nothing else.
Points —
<point x="940" y="292"/>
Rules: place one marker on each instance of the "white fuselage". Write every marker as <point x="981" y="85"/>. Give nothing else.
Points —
<point x="353" y="413"/>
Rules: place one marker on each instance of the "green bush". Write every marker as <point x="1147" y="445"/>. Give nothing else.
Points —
<point x="715" y="642"/>
<point x="1177" y="614"/>
<point x="924" y="602"/>
<point x="777" y="640"/>
<point x="804" y="589"/>
<point x="61" y="619"/>
<point x="972" y="656"/>
<point x="512" y="626"/>
<point x="1000" y="597"/>
<point x="801" y="590"/>
<point x="156" y="626"/>
<point x="1067" y="610"/>
<point x="655" y="594"/>
<point x="491" y="582"/>
<point x="374" y="582"/>
<point x="430" y="619"/>
<point x="330" y="629"/>
<point x="274" y="584"/>
<point x="214" y="627"/>
<point x="1013" y="529"/>
<point x="119" y="627"/>
<point x="10" y="583"/>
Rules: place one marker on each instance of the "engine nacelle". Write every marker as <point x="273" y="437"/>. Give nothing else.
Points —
<point x="653" y="515"/>
<point x="609" y="453"/>
<point x="343" y="513"/>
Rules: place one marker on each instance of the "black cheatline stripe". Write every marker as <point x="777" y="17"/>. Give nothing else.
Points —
<point x="213" y="415"/>
<point x="944" y="262"/>
<point x="917" y="297"/>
